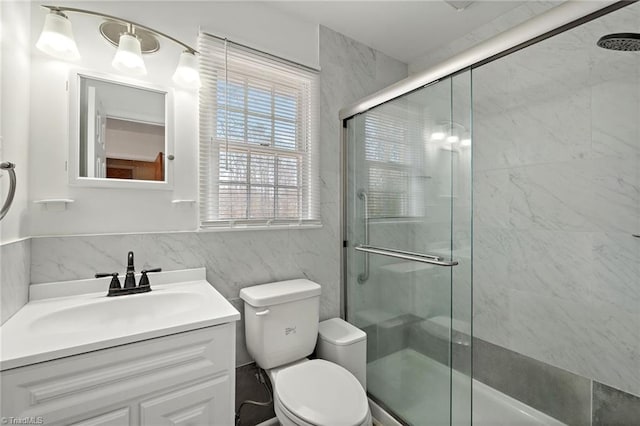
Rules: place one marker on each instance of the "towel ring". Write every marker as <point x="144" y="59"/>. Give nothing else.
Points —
<point x="12" y="189"/>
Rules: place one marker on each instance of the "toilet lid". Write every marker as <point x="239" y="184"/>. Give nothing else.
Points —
<point x="322" y="393"/>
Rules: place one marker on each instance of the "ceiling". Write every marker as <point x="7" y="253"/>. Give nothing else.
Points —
<point x="405" y="30"/>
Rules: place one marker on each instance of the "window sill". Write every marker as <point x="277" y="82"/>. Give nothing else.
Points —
<point x="283" y="227"/>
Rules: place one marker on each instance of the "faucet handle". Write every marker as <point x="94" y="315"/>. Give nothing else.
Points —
<point x="144" y="279"/>
<point x="114" y="286"/>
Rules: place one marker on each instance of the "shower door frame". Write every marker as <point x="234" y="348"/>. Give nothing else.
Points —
<point x="546" y="25"/>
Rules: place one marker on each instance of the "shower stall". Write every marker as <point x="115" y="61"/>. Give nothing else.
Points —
<point x="491" y="207"/>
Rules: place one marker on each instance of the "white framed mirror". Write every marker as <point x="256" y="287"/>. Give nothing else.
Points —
<point x="120" y="133"/>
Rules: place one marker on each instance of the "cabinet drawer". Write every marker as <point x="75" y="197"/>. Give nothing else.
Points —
<point x="66" y="388"/>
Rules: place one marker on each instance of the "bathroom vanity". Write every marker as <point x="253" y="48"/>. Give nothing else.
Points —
<point x="159" y="358"/>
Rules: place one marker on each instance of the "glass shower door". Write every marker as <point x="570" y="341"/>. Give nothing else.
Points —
<point x="407" y="268"/>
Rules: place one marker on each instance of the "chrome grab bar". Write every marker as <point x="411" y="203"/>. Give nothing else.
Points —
<point x="364" y="276"/>
<point x="407" y="255"/>
<point x="12" y="187"/>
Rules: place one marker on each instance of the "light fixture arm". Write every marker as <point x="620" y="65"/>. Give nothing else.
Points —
<point x="60" y="9"/>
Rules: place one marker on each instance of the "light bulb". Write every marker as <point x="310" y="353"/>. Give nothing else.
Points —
<point x="465" y="142"/>
<point x="452" y="139"/>
<point x="128" y="57"/>
<point x="56" y="38"/>
<point x="437" y="136"/>
<point x="187" y="74"/>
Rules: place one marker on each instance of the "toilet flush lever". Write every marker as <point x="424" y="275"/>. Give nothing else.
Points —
<point x="261" y="313"/>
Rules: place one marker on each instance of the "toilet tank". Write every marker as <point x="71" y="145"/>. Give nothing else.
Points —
<point x="344" y="344"/>
<point x="281" y="321"/>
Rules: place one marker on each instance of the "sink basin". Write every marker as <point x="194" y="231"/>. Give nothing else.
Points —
<point x="72" y="317"/>
<point x="120" y="311"/>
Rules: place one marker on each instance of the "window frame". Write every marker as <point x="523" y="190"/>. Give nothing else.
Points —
<point x="304" y="90"/>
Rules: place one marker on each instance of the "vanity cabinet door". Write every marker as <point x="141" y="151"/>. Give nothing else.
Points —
<point x="114" y="418"/>
<point x="94" y="388"/>
<point x="205" y="403"/>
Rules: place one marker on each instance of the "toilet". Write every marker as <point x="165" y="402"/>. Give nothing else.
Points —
<point x="282" y="328"/>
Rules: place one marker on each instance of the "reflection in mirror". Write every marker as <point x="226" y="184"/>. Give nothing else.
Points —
<point x="122" y="131"/>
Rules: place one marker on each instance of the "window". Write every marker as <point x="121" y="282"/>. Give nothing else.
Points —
<point x="258" y="138"/>
<point x="387" y="155"/>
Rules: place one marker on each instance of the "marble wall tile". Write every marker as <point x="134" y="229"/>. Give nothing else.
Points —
<point x="611" y="133"/>
<point x="559" y="125"/>
<point x="15" y="261"/>
<point x="616" y="268"/>
<point x="508" y="20"/>
<point x="556" y="197"/>
<point x="242" y="355"/>
<point x="564" y="334"/>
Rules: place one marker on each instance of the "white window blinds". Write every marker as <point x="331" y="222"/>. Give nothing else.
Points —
<point x="258" y="138"/>
<point x="388" y="156"/>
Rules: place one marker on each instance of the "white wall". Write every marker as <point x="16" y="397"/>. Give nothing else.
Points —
<point x="14" y="113"/>
<point x="15" y="251"/>
<point x="104" y="210"/>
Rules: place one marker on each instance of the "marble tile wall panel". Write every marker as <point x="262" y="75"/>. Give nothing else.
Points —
<point x="556" y="198"/>
<point x="613" y="407"/>
<point x="508" y="20"/>
<point x="15" y="262"/>
<point x="350" y="71"/>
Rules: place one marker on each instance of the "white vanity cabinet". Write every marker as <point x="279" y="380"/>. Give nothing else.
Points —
<point x="181" y="379"/>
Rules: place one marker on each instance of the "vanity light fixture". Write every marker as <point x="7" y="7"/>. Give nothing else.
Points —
<point x="56" y="38"/>
<point x="128" y="57"/>
<point x="131" y="39"/>
<point x="187" y="74"/>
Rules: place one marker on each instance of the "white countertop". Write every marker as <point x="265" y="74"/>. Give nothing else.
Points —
<point x="74" y="317"/>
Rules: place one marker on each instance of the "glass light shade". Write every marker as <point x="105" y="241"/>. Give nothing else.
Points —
<point x="56" y="38"/>
<point x="187" y="74"/>
<point x="128" y="57"/>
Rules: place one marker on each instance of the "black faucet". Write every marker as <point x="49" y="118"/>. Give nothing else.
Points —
<point x="114" y="286"/>
<point x="129" y="280"/>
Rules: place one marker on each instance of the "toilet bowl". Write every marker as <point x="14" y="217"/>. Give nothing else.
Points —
<point x="281" y="327"/>
<point x="318" y="392"/>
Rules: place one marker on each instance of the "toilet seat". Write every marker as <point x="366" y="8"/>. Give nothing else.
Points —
<point x="286" y="418"/>
<point x="321" y="393"/>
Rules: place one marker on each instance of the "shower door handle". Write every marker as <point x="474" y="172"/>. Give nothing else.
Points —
<point x="407" y="255"/>
<point x="364" y="276"/>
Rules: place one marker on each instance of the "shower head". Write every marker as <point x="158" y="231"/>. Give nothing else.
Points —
<point x="628" y="42"/>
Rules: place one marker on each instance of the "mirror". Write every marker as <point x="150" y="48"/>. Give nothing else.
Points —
<point x="122" y="132"/>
